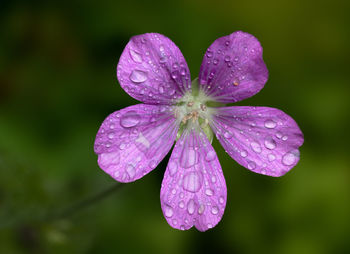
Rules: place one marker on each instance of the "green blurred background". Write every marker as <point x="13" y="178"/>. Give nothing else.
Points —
<point x="58" y="83"/>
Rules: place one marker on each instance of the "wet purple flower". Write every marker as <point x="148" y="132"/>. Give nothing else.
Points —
<point x="131" y="142"/>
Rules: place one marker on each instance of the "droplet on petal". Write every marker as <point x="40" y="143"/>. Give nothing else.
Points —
<point x="270" y="143"/>
<point x="270" y="124"/>
<point x="255" y="146"/>
<point x="135" y="56"/>
<point x="168" y="211"/>
<point x="130" y="119"/>
<point x="192" y="181"/>
<point x="138" y="76"/>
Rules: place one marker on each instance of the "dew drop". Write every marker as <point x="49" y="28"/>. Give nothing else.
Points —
<point x="138" y="76"/>
<point x="209" y="54"/>
<point x="244" y="153"/>
<point x="227" y="43"/>
<point x="271" y="157"/>
<point x="130" y="169"/>
<point x="284" y="138"/>
<point x="215" y="61"/>
<point x="211" y="155"/>
<point x="168" y="211"/>
<point x="279" y="134"/>
<point x="227" y="58"/>
<point x="172" y="166"/>
<point x="227" y="134"/>
<point x="209" y="192"/>
<point x="122" y="146"/>
<point x="213" y="179"/>
<point x="137" y="57"/>
<point x="270" y="143"/>
<point x="201" y="209"/>
<point x="161" y="89"/>
<point x="251" y="165"/>
<point x="189" y="158"/>
<point x="130" y="119"/>
<point x="192" y="181"/>
<point x="191" y="206"/>
<point x="270" y="124"/>
<point x="256" y="147"/>
<point x="181" y="204"/>
<point x="221" y="200"/>
<point x="290" y="158"/>
<point x="214" y="210"/>
<point x="111" y="135"/>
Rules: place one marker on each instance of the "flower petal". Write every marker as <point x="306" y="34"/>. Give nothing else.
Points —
<point x="264" y="140"/>
<point x="233" y="68"/>
<point x="131" y="142"/>
<point x="153" y="70"/>
<point x="193" y="190"/>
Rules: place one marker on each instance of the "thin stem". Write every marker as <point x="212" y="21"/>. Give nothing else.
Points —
<point x="85" y="203"/>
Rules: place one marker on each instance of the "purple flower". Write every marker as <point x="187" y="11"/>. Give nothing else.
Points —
<point x="131" y="142"/>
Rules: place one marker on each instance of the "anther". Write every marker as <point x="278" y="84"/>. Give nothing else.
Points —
<point x="203" y="107"/>
<point x="190" y="104"/>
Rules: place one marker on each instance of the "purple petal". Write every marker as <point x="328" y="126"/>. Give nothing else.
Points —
<point x="233" y="68"/>
<point x="193" y="190"/>
<point x="153" y="70"/>
<point x="264" y="140"/>
<point x="131" y="142"/>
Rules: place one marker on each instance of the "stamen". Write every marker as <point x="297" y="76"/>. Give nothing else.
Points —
<point x="190" y="104"/>
<point x="235" y="83"/>
<point x="203" y="107"/>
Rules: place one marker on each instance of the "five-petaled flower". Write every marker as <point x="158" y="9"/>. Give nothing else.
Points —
<point x="131" y="142"/>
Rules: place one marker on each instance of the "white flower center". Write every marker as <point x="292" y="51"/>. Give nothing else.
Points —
<point x="192" y="111"/>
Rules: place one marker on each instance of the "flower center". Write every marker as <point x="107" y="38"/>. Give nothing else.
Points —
<point x="192" y="111"/>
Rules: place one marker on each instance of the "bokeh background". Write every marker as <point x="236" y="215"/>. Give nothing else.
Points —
<point x="58" y="83"/>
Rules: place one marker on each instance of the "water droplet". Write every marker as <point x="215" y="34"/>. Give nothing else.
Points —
<point x="130" y="169"/>
<point x="138" y="76"/>
<point x="227" y="134"/>
<point x="270" y="124"/>
<point x="201" y="209"/>
<point x="191" y="206"/>
<point x="108" y="159"/>
<point x="183" y="71"/>
<point x="175" y="65"/>
<point x="221" y="200"/>
<point x="244" y="153"/>
<point x="251" y="165"/>
<point x="173" y="191"/>
<point x="161" y="89"/>
<point x="130" y="119"/>
<point x="256" y="147"/>
<point x="192" y="181"/>
<point x="209" y="54"/>
<point x="236" y="59"/>
<point x="168" y="211"/>
<point x="181" y="204"/>
<point x="152" y="164"/>
<point x="213" y="179"/>
<point x="111" y="135"/>
<point x="209" y="225"/>
<point x="284" y="138"/>
<point x="189" y="157"/>
<point x="137" y="57"/>
<point x="214" y="210"/>
<point x="174" y="221"/>
<point x="172" y="166"/>
<point x="270" y="143"/>
<point x="290" y="158"/>
<point x="279" y="134"/>
<point x="211" y="155"/>
<point x="227" y="58"/>
<point x="227" y="43"/>
<point x="122" y="146"/>
<point x="215" y="61"/>
<point x="271" y="157"/>
<point x="209" y="192"/>
<point x="174" y="75"/>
